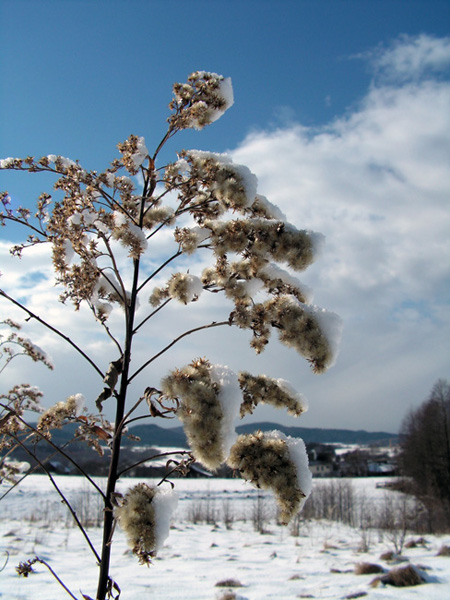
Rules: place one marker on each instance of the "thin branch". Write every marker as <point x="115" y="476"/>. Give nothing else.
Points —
<point x="63" y="498"/>
<point x="142" y="417"/>
<point x="8" y="360"/>
<point x="110" y="335"/>
<point x="30" y="226"/>
<point x="148" y="317"/>
<point x="160" y="268"/>
<point x="58" y="450"/>
<point x="36" y="559"/>
<point x="149" y="458"/>
<point x="116" y="271"/>
<point x="176" y="468"/>
<point x="54" y="330"/>
<point x="171" y="132"/>
<point x="31" y="471"/>
<point x="176" y="340"/>
<point x="6" y="560"/>
<point x="132" y="409"/>
<point x="155" y="231"/>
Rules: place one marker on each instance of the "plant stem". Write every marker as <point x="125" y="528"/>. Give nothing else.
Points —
<point x="61" y="583"/>
<point x="113" y="475"/>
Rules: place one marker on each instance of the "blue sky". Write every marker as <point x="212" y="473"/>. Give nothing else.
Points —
<point x="78" y="76"/>
<point x="341" y="109"/>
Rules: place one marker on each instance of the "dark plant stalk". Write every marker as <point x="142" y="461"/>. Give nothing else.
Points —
<point x="108" y="519"/>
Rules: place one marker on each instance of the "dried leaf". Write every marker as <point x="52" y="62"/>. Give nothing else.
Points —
<point x="113" y="372"/>
<point x="100" y="433"/>
<point x="154" y="410"/>
<point x="104" y="395"/>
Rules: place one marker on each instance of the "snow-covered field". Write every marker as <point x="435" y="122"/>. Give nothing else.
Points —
<point x="317" y="563"/>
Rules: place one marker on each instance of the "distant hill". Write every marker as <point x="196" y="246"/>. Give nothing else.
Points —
<point x="325" y="436"/>
<point x="153" y="435"/>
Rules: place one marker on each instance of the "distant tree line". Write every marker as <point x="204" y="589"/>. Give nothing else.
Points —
<point x="425" y="454"/>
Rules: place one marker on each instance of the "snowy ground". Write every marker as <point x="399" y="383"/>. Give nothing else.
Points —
<point x="317" y="563"/>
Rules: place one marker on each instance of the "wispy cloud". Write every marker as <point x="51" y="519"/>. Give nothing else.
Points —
<point x="410" y="57"/>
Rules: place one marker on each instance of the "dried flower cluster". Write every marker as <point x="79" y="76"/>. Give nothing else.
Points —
<point x="56" y="415"/>
<point x="208" y="178"/>
<point x="12" y="406"/>
<point x="144" y="514"/>
<point x="200" y="410"/>
<point x="210" y="398"/>
<point x="200" y="101"/>
<point x="298" y="327"/>
<point x="134" y="152"/>
<point x="100" y="209"/>
<point x="20" y="398"/>
<point x="183" y="287"/>
<point x="136" y="516"/>
<point x="265" y="460"/>
<point x="10" y="470"/>
<point x="12" y="344"/>
<point x="260" y="389"/>
<point x="23" y="397"/>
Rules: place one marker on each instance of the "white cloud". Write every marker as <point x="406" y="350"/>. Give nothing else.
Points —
<point x="411" y="57"/>
<point x="376" y="182"/>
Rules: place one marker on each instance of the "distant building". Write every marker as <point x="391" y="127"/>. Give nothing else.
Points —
<point x="319" y="468"/>
<point x="381" y="468"/>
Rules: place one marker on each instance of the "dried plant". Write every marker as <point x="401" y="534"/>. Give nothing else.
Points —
<point x="100" y="227"/>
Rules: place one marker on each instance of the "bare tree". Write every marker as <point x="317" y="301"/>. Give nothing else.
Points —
<point x="104" y="228"/>
<point x="425" y="451"/>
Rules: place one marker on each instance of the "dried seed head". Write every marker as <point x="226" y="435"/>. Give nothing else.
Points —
<point x="200" y="101"/>
<point x="209" y="398"/>
<point x="273" y="461"/>
<point x="265" y="390"/>
<point x="144" y="514"/>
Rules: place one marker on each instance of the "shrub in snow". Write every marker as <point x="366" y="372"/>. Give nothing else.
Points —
<point x="365" y="568"/>
<point x="170" y="235"/>
<point x="400" y="577"/>
<point x="444" y="551"/>
<point x="231" y="583"/>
